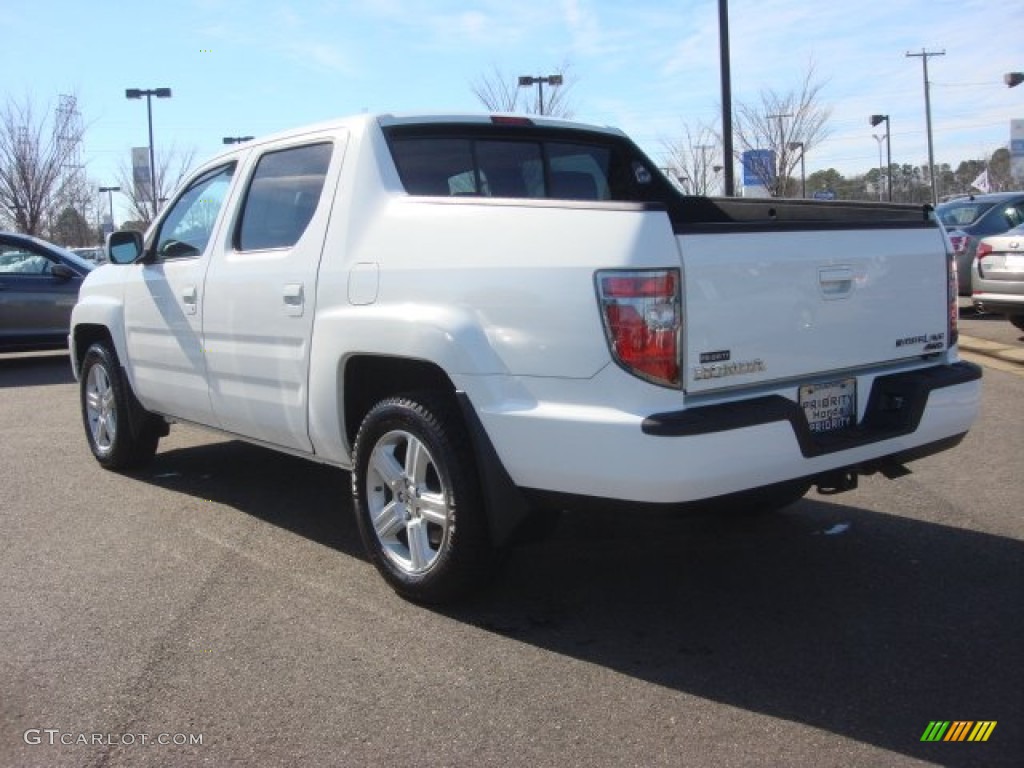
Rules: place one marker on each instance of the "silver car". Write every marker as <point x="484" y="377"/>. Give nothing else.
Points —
<point x="968" y="219"/>
<point x="997" y="275"/>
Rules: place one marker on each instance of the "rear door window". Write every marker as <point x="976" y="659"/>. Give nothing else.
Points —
<point x="282" y="197"/>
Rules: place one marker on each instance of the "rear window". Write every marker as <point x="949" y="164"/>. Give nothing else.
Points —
<point x="957" y="214"/>
<point x="578" y="166"/>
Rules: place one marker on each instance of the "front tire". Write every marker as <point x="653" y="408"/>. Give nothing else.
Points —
<point x="417" y="499"/>
<point x="120" y="433"/>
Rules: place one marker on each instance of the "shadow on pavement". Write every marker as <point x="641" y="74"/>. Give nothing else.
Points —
<point x="35" y="369"/>
<point x="300" y="496"/>
<point x="862" y="624"/>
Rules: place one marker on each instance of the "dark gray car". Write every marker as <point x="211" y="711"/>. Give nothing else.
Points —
<point x="968" y="219"/>
<point x="39" y="284"/>
<point x="998" y="276"/>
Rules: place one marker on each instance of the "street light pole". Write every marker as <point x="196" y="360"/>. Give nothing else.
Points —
<point x="880" y="139"/>
<point x="552" y="80"/>
<point x="726" y="84"/>
<point x="110" y="194"/>
<point x="160" y="93"/>
<point x="876" y="120"/>
<point x="928" y="117"/>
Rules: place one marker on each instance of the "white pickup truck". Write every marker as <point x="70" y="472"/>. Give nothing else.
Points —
<point x="487" y="317"/>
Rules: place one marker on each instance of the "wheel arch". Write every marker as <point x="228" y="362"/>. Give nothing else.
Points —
<point x="97" y="318"/>
<point x="84" y="336"/>
<point x="368" y="379"/>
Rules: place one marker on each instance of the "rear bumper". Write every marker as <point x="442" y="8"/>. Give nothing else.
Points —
<point x="704" y="452"/>
<point x="1000" y="303"/>
<point x="895" y="407"/>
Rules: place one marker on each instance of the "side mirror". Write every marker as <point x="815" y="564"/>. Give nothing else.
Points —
<point x="62" y="272"/>
<point x="124" y="247"/>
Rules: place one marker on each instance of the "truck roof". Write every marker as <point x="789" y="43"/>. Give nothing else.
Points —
<point x="356" y="122"/>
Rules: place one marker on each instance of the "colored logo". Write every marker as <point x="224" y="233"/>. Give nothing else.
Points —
<point x="958" y="730"/>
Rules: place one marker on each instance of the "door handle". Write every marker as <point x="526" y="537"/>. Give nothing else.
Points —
<point x="836" y="282"/>
<point x="294" y="299"/>
<point x="190" y="298"/>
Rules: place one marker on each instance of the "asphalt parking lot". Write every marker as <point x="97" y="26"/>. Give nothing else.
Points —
<point x="222" y="593"/>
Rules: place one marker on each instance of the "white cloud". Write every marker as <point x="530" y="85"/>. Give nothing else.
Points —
<point x="584" y="28"/>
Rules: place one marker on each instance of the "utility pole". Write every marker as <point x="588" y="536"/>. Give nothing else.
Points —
<point x="795" y="145"/>
<point x="782" y="147"/>
<point x="928" y="116"/>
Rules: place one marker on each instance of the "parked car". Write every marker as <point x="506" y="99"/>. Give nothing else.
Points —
<point x="39" y="284"/>
<point x="968" y="219"/>
<point x="998" y="275"/>
<point x="94" y="254"/>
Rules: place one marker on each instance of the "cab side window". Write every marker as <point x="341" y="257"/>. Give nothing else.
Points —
<point x="189" y="224"/>
<point x="282" y="197"/>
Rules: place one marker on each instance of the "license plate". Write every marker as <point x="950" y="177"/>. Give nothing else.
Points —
<point x="1014" y="263"/>
<point x="830" y="407"/>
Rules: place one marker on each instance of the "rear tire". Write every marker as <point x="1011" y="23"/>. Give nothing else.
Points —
<point x="417" y="499"/>
<point x="120" y="433"/>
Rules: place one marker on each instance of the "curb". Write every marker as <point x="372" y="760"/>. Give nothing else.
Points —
<point x="994" y="349"/>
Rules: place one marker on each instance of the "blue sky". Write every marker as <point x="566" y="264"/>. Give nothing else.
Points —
<point x="241" y="67"/>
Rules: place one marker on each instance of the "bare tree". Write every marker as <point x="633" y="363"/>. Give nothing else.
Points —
<point x="497" y="92"/>
<point x="34" y="158"/>
<point x="694" y="159"/>
<point x="500" y="93"/>
<point x="789" y="124"/>
<point x="139" y="199"/>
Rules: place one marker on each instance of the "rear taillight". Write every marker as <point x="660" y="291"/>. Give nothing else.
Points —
<point x="984" y="249"/>
<point x="959" y="242"/>
<point x="642" y="314"/>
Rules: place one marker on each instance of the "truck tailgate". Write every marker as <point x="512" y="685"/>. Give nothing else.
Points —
<point x="800" y="304"/>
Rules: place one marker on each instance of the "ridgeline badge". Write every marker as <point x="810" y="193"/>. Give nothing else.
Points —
<point x="721" y="370"/>
<point x="931" y="342"/>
